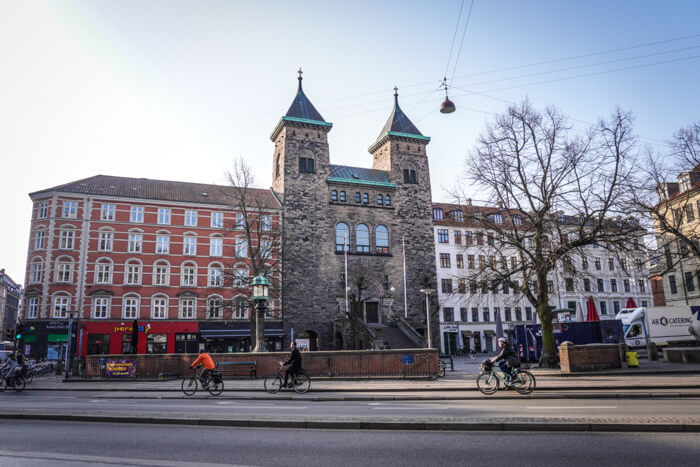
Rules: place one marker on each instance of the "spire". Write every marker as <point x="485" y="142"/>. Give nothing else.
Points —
<point x="302" y="106"/>
<point x="398" y="121"/>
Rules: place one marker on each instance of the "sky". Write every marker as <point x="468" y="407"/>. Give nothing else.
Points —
<point x="177" y="90"/>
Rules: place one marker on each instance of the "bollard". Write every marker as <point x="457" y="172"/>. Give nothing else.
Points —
<point x="652" y="351"/>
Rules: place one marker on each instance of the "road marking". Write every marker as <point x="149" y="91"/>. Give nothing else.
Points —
<point x="574" y="407"/>
<point x="411" y="408"/>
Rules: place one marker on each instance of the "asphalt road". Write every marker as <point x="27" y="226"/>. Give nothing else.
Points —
<point x="34" y="443"/>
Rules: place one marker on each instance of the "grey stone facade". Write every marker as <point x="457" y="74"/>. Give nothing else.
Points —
<point x="313" y="285"/>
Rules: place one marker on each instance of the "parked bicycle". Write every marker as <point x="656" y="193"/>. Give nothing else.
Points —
<point x="300" y="382"/>
<point x="28" y="371"/>
<point x="16" y="381"/>
<point x="215" y="383"/>
<point x="491" y="377"/>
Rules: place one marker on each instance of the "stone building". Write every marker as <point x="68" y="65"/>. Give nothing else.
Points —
<point x="380" y="213"/>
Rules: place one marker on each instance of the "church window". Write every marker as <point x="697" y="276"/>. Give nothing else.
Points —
<point x="365" y="198"/>
<point x="387" y="200"/>
<point x="380" y="200"/>
<point x="409" y="176"/>
<point x="334" y="195"/>
<point x="362" y="238"/>
<point x="342" y="196"/>
<point x="277" y="166"/>
<point x="342" y="236"/>
<point x="382" y="240"/>
<point x="306" y="164"/>
<point x="358" y="198"/>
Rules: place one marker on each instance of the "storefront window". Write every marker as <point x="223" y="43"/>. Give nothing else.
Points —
<point x="126" y="343"/>
<point x="98" y="344"/>
<point x="156" y="343"/>
<point x="186" y="343"/>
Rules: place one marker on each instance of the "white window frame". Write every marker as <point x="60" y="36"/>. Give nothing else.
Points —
<point x="32" y="307"/>
<point x="216" y="246"/>
<point x="40" y="239"/>
<point x="217" y="219"/>
<point x="190" y="218"/>
<point x="131" y="305"/>
<point x="240" y="221"/>
<point x="103" y="272"/>
<point x="64" y="271"/>
<point x="220" y="307"/>
<point x="241" y="277"/>
<point x="106" y="240"/>
<point x="216" y="276"/>
<point x="108" y="211"/>
<point x="136" y="214"/>
<point x="187" y="308"/>
<point x="133" y="272"/>
<point x="162" y="244"/>
<point x="161" y="274"/>
<point x="101" y="307"/>
<point x="240" y="308"/>
<point x="60" y="306"/>
<point x="266" y="223"/>
<point x="36" y="271"/>
<point x="159" y="307"/>
<point x="43" y="210"/>
<point x="241" y="247"/>
<point x="70" y="209"/>
<point x="135" y="242"/>
<point x="189" y="245"/>
<point x="67" y="239"/>
<point x="185" y="276"/>
<point x="164" y="216"/>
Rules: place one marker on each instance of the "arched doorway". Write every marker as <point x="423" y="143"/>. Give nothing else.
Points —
<point x="338" y="341"/>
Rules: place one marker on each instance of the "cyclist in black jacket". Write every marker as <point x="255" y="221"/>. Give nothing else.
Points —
<point x="506" y="358"/>
<point x="294" y="363"/>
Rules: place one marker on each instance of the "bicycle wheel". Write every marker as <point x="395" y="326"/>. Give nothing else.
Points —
<point x="273" y="383"/>
<point x="302" y="383"/>
<point x="189" y="385"/>
<point x="528" y="382"/>
<point x="29" y="377"/>
<point x="19" y="383"/>
<point x="487" y="383"/>
<point x="441" y="369"/>
<point x="215" y="388"/>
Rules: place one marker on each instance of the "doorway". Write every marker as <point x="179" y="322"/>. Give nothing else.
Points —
<point x="371" y="312"/>
<point x="450" y="343"/>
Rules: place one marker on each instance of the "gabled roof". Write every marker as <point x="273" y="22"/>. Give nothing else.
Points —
<point x="359" y="175"/>
<point x="144" y="188"/>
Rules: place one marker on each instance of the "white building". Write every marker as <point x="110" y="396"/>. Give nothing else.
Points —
<point x="468" y="308"/>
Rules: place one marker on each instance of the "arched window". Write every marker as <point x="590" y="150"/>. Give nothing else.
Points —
<point x="40" y="239"/>
<point x="362" y="238"/>
<point x="64" y="269"/>
<point x="67" y="237"/>
<point x="240" y="307"/>
<point x="277" y="165"/>
<point x="130" y="306"/>
<point x="36" y="270"/>
<point x="387" y="200"/>
<point x="216" y="246"/>
<point x="342" y="236"/>
<point x="342" y="196"/>
<point x="132" y="272"/>
<point x="188" y="307"/>
<point x="135" y="241"/>
<point x="334" y="195"/>
<point x="159" y="307"/>
<point x="409" y="176"/>
<point x="241" y="276"/>
<point x="61" y="303"/>
<point x="188" y="274"/>
<point x="382" y="240"/>
<point x="103" y="271"/>
<point x="358" y="197"/>
<point x="161" y="273"/>
<point x="214" y="307"/>
<point x="241" y="247"/>
<point x="216" y="275"/>
<point x="365" y="198"/>
<point x="163" y="242"/>
<point x="380" y="200"/>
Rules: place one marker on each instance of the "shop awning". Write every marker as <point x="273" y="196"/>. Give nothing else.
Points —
<point x="29" y="338"/>
<point x="467" y="333"/>
<point x="58" y="338"/>
<point x="223" y="333"/>
<point x="489" y="333"/>
<point x="274" y="332"/>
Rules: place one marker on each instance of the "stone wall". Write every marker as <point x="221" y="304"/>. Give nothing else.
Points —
<point x="591" y="357"/>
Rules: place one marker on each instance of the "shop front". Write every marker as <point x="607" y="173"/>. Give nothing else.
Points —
<point x="234" y="336"/>
<point x="449" y="338"/>
<point x="150" y="337"/>
<point x="45" y="339"/>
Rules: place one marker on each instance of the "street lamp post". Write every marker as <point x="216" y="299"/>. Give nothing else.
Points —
<point x="427" y="293"/>
<point x="261" y="288"/>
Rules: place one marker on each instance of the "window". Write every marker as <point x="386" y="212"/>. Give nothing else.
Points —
<point x="133" y="273"/>
<point x="35" y="272"/>
<point x="498" y="218"/>
<point x="358" y="197"/>
<point x="216" y="276"/>
<point x="623" y="264"/>
<point x="443" y="236"/>
<point x="103" y="272"/>
<point x="240" y="221"/>
<point x="64" y="270"/>
<point x="672" y="284"/>
<point x="214" y="307"/>
<point x="437" y="214"/>
<point x="528" y="313"/>
<point x="601" y="285"/>
<point x="365" y="198"/>
<point x="689" y="214"/>
<point x="216" y="245"/>
<point x="611" y="264"/>
<point x="33" y="307"/>
<point x="156" y="343"/>
<point x="162" y="244"/>
<point x="616" y="308"/>
<point x="380" y="200"/>
<point x="306" y="165"/>
<point x="409" y="176"/>
<point x="217" y="219"/>
<point x="457" y="215"/>
<point x="489" y="239"/>
<point x="265" y="223"/>
<point x="70" y="209"/>
<point x="265" y="248"/>
<point x="486" y="314"/>
<point x="448" y="314"/>
<point x="105" y="242"/>
<point x="67" y="239"/>
<point x="470" y="261"/>
<point x="164" y="216"/>
<point x="480" y="238"/>
<point x="382" y="240"/>
<point x="626" y="285"/>
<point x="189" y="245"/>
<point x="39" y="239"/>
<point x="191" y="218"/>
<point x="642" y="285"/>
<point x="597" y="263"/>
<point x="136" y="214"/>
<point x="446" y="285"/>
<point x="518" y="314"/>
<point x="387" y="200"/>
<point x="240" y="278"/>
<point x="482" y="262"/>
<point x="458" y="237"/>
<point x="460" y="261"/>
<point x="508" y="315"/>
<point x="161" y="273"/>
<point x="472" y="286"/>
<point x="159" y="307"/>
<point x="603" y="308"/>
<point x="188" y="275"/>
<point x="362" y="238"/>
<point x="187" y="308"/>
<point x="689" y="283"/>
<point x="584" y="262"/>
<point x="461" y="286"/>
<point x="342" y="236"/>
<point x="463" y="316"/>
<point x="100" y="307"/>
<point x="107" y="212"/>
<point x="445" y="260"/>
<point x="587" y="285"/>
<point x="240" y="308"/>
<point x="342" y="196"/>
<point x="241" y="247"/>
<point x="517" y="220"/>
<point x="613" y="285"/>
<point x="135" y="242"/>
<point x="475" y="315"/>
<point x="334" y="195"/>
<point x="43" y="211"/>
<point x="60" y="306"/>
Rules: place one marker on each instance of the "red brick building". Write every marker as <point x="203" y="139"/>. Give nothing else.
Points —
<point x="171" y="257"/>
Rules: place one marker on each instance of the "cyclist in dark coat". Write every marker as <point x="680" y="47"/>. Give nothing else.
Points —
<point x="294" y="363"/>
<point x="506" y="358"/>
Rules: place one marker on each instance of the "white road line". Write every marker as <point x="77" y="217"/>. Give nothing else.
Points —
<point x="573" y="407"/>
<point x="411" y="408"/>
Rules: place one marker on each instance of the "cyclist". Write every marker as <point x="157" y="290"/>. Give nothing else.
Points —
<point x="506" y="358"/>
<point x="208" y="364"/>
<point x="294" y="363"/>
<point x="9" y="368"/>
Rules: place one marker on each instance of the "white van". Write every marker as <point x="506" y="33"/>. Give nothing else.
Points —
<point x="663" y="325"/>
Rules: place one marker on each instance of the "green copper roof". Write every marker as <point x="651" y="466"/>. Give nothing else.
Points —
<point x="306" y="120"/>
<point x="359" y="176"/>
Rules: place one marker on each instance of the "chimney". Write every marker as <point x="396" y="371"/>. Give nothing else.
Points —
<point x="469" y="202"/>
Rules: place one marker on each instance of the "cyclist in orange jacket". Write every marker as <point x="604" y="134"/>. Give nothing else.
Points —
<point x="206" y="361"/>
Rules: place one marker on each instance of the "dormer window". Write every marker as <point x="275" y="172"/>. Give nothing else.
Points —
<point x="457" y="215"/>
<point x="497" y="218"/>
<point x="437" y="214"/>
<point x="517" y="220"/>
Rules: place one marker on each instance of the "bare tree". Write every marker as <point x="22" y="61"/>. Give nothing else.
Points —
<point x="358" y="283"/>
<point x="685" y="146"/>
<point x="257" y="240"/>
<point x="552" y="192"/>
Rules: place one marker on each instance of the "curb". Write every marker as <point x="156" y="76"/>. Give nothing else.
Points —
<point x="371" y="425"/>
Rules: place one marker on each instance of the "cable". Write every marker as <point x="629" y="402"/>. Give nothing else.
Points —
<point x="454" y="36"/>
<point x="459" y="53"/>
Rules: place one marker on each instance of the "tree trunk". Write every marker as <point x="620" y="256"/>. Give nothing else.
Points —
<point x="548" y="359"/>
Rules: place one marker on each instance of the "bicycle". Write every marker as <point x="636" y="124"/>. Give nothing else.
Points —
<point x="300" y="382"/>
<point x="28" y="372"/>
<point x="16" y="381"/>
<point x="488" y="381"/>
<point x="215" y="383"/>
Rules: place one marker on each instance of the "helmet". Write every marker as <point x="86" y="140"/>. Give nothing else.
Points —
<point x="502" y="339"/>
